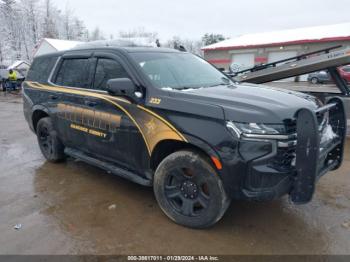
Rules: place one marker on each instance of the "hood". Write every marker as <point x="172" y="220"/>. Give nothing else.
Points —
<point x="252" y="103"/>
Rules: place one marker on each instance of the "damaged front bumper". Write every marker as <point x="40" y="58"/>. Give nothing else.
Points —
<point x="294" y="163"/>
<point x="313" y="159"/>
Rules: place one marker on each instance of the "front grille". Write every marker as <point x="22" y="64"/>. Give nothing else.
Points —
<point x="284" y="159"/>
<point x="291" y="127"/>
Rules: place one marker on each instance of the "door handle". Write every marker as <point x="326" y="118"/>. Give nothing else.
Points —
<point x="91" y="103"/>
<point x="53" y="97"/>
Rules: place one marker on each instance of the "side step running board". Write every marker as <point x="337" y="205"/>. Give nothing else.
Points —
<point x="115" y="170"/>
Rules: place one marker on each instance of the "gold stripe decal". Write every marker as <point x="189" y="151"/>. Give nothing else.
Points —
<point x="152" y="127"/>
<point x="164" y="121"/>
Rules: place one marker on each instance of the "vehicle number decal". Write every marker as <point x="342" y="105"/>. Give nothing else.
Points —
<point x="155" y="101"/>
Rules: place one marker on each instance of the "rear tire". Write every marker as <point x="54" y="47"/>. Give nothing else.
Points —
<point x="189" y="190"/>
<point x="50" y="145"/>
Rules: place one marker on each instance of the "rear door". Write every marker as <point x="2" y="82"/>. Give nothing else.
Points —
<point x="72" y="80"/>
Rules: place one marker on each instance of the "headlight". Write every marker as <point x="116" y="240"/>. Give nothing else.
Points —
<point x="255" y="128"/>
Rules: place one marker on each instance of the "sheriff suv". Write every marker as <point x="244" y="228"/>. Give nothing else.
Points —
<point x="169" y="119"/>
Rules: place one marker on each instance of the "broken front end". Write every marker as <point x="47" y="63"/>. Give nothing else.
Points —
<point x="277" y="164"/>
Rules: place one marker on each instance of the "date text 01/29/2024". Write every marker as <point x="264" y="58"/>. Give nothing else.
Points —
<point x="173" y="258"/>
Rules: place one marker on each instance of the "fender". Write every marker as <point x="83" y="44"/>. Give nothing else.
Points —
<point x="35" y="108"/>
<point x="206" y="148"/>
<point x="41" y="108"/>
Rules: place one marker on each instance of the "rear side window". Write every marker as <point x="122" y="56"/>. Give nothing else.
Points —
<point x="74" y="73"/>
<point x="41" y="68"/>
<point x="107" y="69"/>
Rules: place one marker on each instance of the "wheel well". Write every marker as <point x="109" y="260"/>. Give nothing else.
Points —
<point x="37" y="115"/>
<point x="167" y="147"/>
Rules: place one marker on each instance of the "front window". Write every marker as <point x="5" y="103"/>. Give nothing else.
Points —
<point x="107" y="69"/>
<point x="179" y="70"/>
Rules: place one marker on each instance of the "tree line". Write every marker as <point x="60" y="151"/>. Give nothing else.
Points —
<point x="24" y="22"/>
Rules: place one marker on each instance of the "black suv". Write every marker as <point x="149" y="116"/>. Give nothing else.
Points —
<point x="168" y="119"/>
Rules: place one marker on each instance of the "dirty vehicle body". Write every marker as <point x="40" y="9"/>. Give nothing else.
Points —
<point x="170" y="120"/>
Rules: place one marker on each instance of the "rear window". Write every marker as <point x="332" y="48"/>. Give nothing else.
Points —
<point x="74" y="73"/>
<point x="41" y="68"/>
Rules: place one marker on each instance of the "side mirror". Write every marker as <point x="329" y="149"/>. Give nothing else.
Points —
<point x="122" y="87"/>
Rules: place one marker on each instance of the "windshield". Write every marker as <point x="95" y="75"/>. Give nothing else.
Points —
<point x="179" y="70"/>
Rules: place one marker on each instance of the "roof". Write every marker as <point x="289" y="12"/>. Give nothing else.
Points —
<point x="335" y="32"/>
<point x="120" y="42"/>
<point x="17" y="63"/>
<point x="61" y="45"/>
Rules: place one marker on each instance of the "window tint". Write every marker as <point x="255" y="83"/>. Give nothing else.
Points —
<point x="41" y="68"/>
<point x="108" y="69"/>
<point x="74" y="73"/>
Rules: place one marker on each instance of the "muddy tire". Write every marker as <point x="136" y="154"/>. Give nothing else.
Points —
<point x="50" y="145"/>
<point x="189" y="190"/>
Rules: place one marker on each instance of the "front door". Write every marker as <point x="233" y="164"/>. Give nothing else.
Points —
<point x="117" y="138"/>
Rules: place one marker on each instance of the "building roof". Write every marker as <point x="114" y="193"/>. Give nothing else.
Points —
<point x="335" y="32"/>
<point x="61" y="45"/>
<point x="17" y="63"/>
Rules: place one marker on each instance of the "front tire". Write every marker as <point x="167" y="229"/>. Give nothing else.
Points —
<point x="50" y="145"/>
<point x="189" y="190"/>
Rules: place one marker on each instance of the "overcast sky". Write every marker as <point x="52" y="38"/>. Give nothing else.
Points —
<point x="192" y="18"/>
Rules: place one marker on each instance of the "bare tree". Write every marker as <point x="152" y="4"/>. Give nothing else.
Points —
<point x="31" y="14"/>
<point x="49" y="26"/>
<point x="192" y="46"/>
<point x="96" y="34"/>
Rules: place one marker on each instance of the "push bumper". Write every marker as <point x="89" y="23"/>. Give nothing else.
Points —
<point x="312" y="160"/>
<point x="294" y="166"/>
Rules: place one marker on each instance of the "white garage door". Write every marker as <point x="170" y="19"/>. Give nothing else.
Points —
<point x="276" y="56"/>
<point x="244" y="60"/>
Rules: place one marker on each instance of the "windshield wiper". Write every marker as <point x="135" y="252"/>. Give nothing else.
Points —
<point x="186" y="88"/>
<point x="225" y="82"/>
